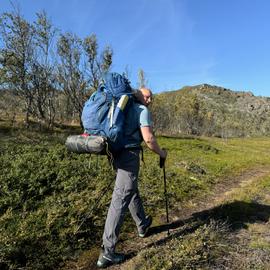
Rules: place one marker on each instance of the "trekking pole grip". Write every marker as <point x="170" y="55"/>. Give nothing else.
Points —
<point x="162" y="161"/>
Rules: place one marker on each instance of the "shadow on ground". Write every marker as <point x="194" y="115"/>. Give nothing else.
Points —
<point x="236" y="215"/>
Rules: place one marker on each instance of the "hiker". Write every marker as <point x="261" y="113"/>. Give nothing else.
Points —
<point x="137" y="128"/>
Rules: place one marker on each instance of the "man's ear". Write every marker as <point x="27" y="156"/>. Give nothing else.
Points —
<point x="139" y="96"/>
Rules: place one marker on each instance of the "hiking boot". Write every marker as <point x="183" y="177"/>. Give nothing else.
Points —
<point x="107" y="259"/>
<point x="144" y="230"/>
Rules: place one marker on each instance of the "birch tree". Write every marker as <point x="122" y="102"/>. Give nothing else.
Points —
<point x="16" y="57"/>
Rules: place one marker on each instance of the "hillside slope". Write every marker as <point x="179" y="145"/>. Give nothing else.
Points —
<point x="197" y="110"/>
<point x="211" y="110"/>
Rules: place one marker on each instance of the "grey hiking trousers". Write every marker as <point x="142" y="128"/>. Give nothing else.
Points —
<point x="125" y="196"/>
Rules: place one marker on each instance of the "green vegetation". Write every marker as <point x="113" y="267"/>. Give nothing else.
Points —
<point x="211" y="111"/>
<point x="47" y="194"/>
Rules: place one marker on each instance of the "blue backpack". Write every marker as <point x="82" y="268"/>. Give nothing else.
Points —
<point x="104" y="113"/>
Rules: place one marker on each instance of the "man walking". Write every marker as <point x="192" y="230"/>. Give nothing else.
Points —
<point x="138" y="128"/>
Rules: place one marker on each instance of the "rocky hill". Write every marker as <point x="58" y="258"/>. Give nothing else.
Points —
<point x="212" y="111"/>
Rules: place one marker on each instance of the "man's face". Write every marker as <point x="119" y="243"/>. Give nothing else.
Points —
<point x="146" y="97"/>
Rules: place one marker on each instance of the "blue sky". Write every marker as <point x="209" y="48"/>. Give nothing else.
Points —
<point x="176" y="42"/>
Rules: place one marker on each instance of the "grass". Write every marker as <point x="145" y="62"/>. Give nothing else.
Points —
<point x="233" y="235"/>
<point x="217" y="158"/>
<point x="198" y="249"/>
<point x="47" y="193"/>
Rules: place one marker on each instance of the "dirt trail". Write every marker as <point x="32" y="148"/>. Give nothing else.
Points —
<point x="180" y="217"/>
<point x="222" y="192"/>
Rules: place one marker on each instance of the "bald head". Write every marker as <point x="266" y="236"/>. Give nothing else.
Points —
<point x="146" y="91"/>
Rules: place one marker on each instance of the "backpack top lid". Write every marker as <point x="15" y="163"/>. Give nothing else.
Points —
<point x="116" y="84"/>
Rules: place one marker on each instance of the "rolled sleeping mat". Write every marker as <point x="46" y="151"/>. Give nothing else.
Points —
<point x="83" y="144"/>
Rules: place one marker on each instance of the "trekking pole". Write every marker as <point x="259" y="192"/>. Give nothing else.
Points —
<point x="101" y="195"/>
<point x="162" y="165"/>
